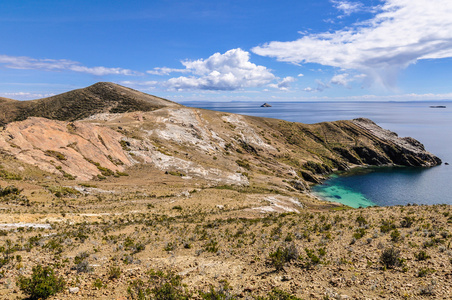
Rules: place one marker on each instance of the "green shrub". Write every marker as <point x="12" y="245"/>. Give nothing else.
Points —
<point x="390" y="258"/>
<point x="283" y="255"/>
<point x="395" y="236"/>
<point x="9" y="190"/>
<point x="386" y="226"/>
<point x="407" y="222"/>
<point x="361" y="220"/>
<point x="98" y="283"/>
<point x="314" y="259"/>
<point x="170" y="246"/>
<point x="42" y="284"/>
<point x="61" y="191"/>
<point x="55" y="154"/>
<point x="223" y="292"/>
<point x="244" y="164"/>
<point x="421" y="255"/>
<point x="8" y="175"/>
<point x="211" y="246"/>
<point x="160" y="286"/>
<point x="114" y="272"/>
<point x="175" y="173"/>
<point x="359" y="233"/>
<point x="425" y="271"/>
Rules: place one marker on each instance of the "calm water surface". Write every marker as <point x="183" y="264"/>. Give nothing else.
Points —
<point x="374" y="186"/>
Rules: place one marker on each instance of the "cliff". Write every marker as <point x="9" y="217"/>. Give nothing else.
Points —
<point x="220" y="148"/>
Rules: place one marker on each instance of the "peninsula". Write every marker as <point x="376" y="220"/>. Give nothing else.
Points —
<point x="105" y="183"/>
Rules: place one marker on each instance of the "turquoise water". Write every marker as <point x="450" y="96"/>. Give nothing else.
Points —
<point x="374" y="186"/>
<point x="334" y="191"/>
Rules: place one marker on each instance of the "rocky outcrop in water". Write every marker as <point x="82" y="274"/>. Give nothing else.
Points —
<point x="401" y="151"/>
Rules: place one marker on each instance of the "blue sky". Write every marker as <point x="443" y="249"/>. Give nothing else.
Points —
<point x="248" y="50"/>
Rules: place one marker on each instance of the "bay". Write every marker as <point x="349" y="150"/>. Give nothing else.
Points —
<point x="374" y="186"/>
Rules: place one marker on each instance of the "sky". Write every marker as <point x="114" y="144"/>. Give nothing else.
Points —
<point x="245" y="50"/>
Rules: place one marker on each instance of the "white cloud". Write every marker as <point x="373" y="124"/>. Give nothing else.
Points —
<point x="321" y="86"/>
<point x="166" y="71"/>
<point x="24" y="95"/>
<point x="401" y="33"/>
<point x="140" y="83"/>
<point x="300" y="75"/>
<point x="284" y="84"/>
<point x="341" y="79"/>
<point x="347" y="7"/>
<point x="229" y="71"/>
<point x="23" y="62"/>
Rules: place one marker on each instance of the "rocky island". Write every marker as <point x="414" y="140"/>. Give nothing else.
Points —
<point x="266" y="105"/>
<point x="122" y="194"/>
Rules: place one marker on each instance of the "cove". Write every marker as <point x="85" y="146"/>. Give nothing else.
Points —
<point x="381" y="186"/>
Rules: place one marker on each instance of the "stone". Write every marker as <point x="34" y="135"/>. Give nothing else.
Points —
<point x="74" y="290"/>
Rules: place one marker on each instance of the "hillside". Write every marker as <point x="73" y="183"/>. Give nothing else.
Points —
<point x="115" y="201"/>
<point x="102" y="97"/>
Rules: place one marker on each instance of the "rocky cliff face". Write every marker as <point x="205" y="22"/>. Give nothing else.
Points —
<point x="219" y="148"/>
<point x="402" y="151"/>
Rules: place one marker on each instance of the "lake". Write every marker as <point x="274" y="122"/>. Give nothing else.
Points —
<point x="374" y="186"/>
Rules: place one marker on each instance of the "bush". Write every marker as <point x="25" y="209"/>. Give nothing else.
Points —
<point x="283" y="255"/>
<point x="407" y="222"/>
<point x="42" y="284"/>
<point x="314" y="259"/>
<point x="160" y="286"/>
<point x="359" y="233"/>
<point x="390" y="258"/>
<point x="387" y="226"/>
<point x="114" y="272"/>
<point x="395" y="236"/>
<point x="361" y="221"/>
<point x="223" y="292"/>
<point x="425" y="271"/>
<point x="421" y="255"/>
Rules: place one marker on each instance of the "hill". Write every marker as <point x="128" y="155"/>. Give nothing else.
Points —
<point x="139" y="203"/>
<point x="102" y="97"/>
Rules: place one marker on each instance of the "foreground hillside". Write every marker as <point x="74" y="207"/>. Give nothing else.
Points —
<point x="106" y="245"/>
<point x="105" y="196"/>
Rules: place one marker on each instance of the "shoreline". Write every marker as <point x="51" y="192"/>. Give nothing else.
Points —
<point x="355" y="170"/>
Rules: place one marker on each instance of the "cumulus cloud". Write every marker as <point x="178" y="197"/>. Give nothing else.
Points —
<point x="23" y="62"/>
<point x="341" y="79"/>
<point x="347" y="7"/>
<point x="231" y="70"/>
<point x="321" y="86"/>
<point x="401" y="33"/>
<point x="283" y="84"/>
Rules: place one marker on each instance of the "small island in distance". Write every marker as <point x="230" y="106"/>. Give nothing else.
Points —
<point x="266" y="105"/>
<point x="437" y="106"/>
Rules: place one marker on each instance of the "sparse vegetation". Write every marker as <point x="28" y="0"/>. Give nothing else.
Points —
<point x="223" y="235"/>
<point x="42" y="284"/>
